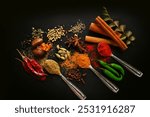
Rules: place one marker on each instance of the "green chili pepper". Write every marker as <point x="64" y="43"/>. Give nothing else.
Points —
<point x="111" y="75"/>
<point x="107" y="66"/>
<point x="118" y="67"/>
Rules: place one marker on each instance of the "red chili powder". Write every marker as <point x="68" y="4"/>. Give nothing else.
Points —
<point x="90" y="48"/>
<point x="104" y="49"/>
<point x="94" y="55"/>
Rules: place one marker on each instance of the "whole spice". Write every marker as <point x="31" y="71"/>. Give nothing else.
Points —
<point x="32" y="67"/>
<point x="38" y="52"/>
<point x="75" y="41"/>
<point x="98" y="40"/>
<point x="36" y="41"/>
<point x="77" y="28"/>
<point x="104" y="49"/>
<point x="55" y="33"/>
<point x="62" y="53"/>
<point x="102" y="24"/>
<point x="75" y="74"/>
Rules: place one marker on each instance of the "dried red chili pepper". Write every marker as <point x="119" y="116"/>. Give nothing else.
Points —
<point x="36" y="65"/>
<point x="32" y="67"/>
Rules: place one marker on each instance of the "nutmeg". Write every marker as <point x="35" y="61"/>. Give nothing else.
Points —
<point x="36" y="42"/>
<point x="38" y="52"/>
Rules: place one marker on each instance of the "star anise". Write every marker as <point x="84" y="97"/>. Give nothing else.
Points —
<point x="75" y="41"/>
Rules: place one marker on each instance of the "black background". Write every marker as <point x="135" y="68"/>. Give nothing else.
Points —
<point x="16" y="20"/>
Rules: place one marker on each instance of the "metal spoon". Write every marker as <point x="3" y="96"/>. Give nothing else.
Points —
<point x="77" y="91"/>
<point x="52" y="67"/>
<point x="108" y="83"/>
<point x="128" y="66"/>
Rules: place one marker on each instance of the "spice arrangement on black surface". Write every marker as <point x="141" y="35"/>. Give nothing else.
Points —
<point x="81" y="51"/>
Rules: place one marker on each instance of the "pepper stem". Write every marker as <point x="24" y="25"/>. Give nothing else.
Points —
<point x="20" y="54"/>
<point x="19" y="59"/>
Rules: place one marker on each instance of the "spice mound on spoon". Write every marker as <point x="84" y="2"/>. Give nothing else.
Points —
<point x="83" y="61"/>
<point x="52" y="67"/>
<point x="105" y="51"/>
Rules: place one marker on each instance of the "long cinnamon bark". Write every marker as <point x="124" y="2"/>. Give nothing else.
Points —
<point x="93" y="27"/>
<point x="98" y="40"/>
<point x="110" y="32"/>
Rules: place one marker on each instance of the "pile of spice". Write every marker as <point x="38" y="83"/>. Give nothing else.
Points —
<point x="72" y="66"/>
<point x="55" y="33"/>
<point x="77" y="59"/>
<point x="70" y="63"/>
<point x="75" y="74"/>
<point x="94" y="55"/>
<point x="77" y="28"/>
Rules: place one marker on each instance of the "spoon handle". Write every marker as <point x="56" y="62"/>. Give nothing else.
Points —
<point x="76" y="90"/>
<point x="128" y="67"/>
<point x="108" y="83"/>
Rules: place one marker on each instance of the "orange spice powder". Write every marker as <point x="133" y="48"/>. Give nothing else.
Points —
<point x="77" y="59"/>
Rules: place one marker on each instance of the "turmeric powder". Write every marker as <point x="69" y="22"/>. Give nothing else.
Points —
<point x="83" y="61"/>
<point x="77" y="59"/>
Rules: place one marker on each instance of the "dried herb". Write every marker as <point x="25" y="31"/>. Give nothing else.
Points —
<point x="125" y="35"/>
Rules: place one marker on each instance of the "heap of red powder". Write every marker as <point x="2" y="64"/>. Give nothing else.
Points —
<point x="94" y="55"/>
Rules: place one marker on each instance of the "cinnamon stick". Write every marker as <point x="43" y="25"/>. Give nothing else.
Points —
<point x="93" y="27"/>
<point x="110" y="32"/>
<point x="98" y="40"/>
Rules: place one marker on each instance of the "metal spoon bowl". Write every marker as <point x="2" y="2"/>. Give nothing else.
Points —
<point x="128" y="66"/>
<point x="108" y="83"/>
